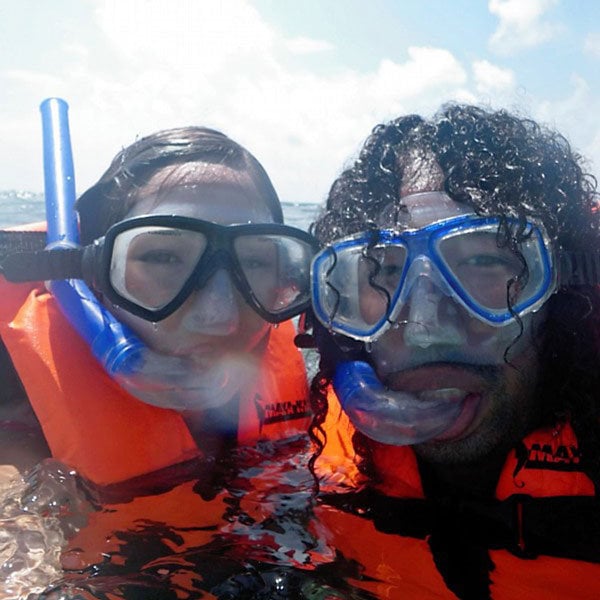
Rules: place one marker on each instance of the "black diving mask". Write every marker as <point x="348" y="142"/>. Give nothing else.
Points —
<point x="150" y="265"/>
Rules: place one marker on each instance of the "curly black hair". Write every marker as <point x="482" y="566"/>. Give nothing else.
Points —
<point x="499" y="164"/>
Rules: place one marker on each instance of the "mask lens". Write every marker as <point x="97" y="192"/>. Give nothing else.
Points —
<point x="380" y="273"/>
<point x="276" y="269"/>
<point x="480" y="267"/>
<point x="358" y="285"/>
<point x="481" y="271"/>
<point x="150" y="265"/>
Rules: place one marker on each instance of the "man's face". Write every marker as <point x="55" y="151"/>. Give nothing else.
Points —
<point x="438" y="348"/>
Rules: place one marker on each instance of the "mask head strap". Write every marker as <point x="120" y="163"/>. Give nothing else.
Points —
<point x="578" y="269"/>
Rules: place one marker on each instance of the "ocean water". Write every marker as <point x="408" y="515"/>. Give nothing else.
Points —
<point x="20" y="207"/>
<point x="252" y="536"/>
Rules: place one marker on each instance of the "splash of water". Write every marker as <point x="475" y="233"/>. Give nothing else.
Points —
<point x="37" y="511"/>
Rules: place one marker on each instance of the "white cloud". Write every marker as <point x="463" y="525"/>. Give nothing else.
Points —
<point x="184" y="34"/>
<point x="76" y="50"/>
<point x="426" y="69"/>
<point x="591" y="45"/>
<point x="576" y="116"/>
<point x="32" y="79"/>
<point x="220" y="64"/>
<point x="304" y="45"/>
<point x="158" y="64"/>
<point x="522" y="24"/>
<point x="491" y="79"/>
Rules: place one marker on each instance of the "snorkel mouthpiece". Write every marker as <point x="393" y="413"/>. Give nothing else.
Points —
<point x="387" y="416"/>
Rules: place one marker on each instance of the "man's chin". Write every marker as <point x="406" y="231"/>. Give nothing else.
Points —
<point x="472" y="448"/>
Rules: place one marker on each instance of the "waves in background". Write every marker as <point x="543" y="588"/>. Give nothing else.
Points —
<point x="18" y="208"/>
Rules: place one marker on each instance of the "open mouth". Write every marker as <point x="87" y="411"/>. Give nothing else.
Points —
<point x="456" y="384"/>
<point x="464" y="422"/>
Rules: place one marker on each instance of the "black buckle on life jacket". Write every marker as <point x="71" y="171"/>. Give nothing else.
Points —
<point x="520" y="546"/>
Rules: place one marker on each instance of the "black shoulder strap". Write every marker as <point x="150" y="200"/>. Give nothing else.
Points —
<point x="561" y="526"/>
<point x="460" y="534"/>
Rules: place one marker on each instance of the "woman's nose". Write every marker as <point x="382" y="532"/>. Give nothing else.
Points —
<point x="433" y="318"/>
<point x="214" y="309"/>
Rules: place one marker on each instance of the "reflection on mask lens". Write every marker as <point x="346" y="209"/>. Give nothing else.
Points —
<point x="380" y="271"/>
<point x="150" y="265"/>
<point x="490" y="276"/>
<point x="276" y="269"/>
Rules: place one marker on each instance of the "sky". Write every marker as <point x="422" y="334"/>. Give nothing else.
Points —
<point x="299" y="83"/>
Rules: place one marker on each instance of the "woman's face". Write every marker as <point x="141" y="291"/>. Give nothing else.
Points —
<point x="215" y="320"/>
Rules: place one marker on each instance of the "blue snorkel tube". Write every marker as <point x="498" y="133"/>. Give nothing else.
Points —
<point x="116" y="347"/>
<point x="161" y="380"/>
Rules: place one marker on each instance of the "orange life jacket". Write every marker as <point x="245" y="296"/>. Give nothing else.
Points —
<point x="108" y="436"/>
<point x="245" y="515"/>
<point x="396" y="564"/>
<point x="548" y="465"/>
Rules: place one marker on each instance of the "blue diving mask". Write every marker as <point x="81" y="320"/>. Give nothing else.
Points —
<point x="360" y="283"/>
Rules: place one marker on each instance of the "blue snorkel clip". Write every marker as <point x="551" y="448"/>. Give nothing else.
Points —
<point x="117" y="348"/>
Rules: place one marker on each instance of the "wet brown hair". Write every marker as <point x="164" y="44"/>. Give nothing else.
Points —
<point x="111" y="198"/>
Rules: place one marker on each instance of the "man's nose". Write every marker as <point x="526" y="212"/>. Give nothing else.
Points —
<point x="433" y="317"/>
<point x="214" y="309"/>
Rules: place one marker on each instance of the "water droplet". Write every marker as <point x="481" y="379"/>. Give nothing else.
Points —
<point x="368" y="347"/>
<point x="275" y="325"/>
<point x="154" y="325"/>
